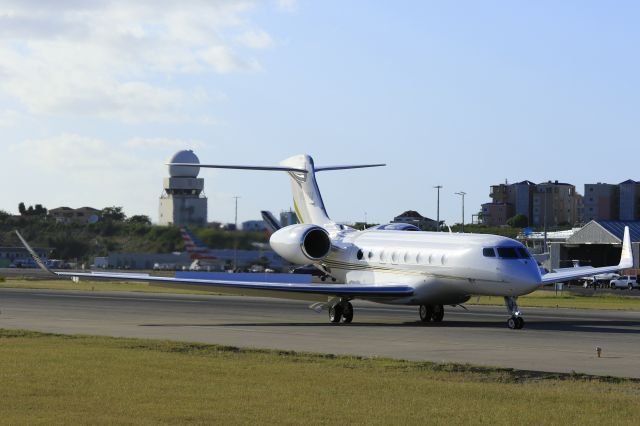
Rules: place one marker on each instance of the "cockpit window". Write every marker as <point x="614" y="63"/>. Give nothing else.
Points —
<point x="507" y="252"/>
<point x="524" y="253"/>
<point x="488" y="252"/>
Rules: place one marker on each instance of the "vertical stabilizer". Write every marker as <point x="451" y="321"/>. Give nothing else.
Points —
<point x="307" y="200"/>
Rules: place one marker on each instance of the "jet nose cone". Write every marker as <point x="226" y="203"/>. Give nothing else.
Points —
<point x="522" y="275"/>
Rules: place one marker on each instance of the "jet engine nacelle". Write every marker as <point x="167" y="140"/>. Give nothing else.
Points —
<point x="301" y="244"/>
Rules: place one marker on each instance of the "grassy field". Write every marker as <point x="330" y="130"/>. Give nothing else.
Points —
<point x="81" y="379"/>
<point x="84" y="285"/>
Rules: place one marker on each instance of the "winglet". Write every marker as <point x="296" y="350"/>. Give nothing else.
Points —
<point x="626" y="258"/>
<point x="33" y="254"/>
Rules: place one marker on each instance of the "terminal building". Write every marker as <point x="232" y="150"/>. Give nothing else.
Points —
<point x="552" y="203"/>
<point x="598" y="243"/>
<point x="183" y="201"/>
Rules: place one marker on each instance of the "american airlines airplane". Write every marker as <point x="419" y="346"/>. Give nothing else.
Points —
<point x="197" y="249"/>
<point x="386" y="264"/>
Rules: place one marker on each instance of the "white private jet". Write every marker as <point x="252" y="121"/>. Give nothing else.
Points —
<point x="392" y="264"/>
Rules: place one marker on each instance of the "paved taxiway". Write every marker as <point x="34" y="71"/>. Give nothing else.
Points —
<point x="562" y="340"/>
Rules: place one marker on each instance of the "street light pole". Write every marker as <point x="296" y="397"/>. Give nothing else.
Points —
<point x="438" y="187"/>
<point x="462" y="194"/>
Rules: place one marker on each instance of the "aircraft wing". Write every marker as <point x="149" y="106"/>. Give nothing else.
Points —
<point x="567" y="274"/>
<point x="340" y="290"/>
<point x="347" y="290"/>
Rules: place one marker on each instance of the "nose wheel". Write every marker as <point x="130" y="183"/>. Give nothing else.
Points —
<point x="515" y="322"/>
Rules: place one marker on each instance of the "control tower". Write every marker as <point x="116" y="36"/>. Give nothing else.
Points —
<point x="183" y="201"/>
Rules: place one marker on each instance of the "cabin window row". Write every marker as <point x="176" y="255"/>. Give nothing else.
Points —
<point x="400" y="257"/>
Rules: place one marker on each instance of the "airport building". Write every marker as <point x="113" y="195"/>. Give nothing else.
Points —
<point x="69" y="215"/>
<point x="20" y="257"/>
<point x="412" y="217"/>
<point x="287" y="217"/>
<point x="254" y="226"/>
<point x="598" y="243"/>
<point x="224" y="259"/>
<point x="603" y="201"/>
<point x="551" y="203"/>
<point x="183" y="201"/>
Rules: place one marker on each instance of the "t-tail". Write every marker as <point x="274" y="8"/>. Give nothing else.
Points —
<point x="307" y="199"/>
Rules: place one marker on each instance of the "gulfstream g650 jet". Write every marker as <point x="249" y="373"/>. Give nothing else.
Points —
<point x="387" y="264"/>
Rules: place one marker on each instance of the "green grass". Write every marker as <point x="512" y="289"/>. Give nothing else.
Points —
<point x="99" y="380"/>
<point x="84" y="285"/>
<point x="566" y="299"/>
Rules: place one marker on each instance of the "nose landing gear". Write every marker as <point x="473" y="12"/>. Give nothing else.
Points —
<point x="429" y="313"/>
<point x="516" y="322"/>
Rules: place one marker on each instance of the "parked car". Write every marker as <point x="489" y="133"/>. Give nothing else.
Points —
<point x="625" y="281"/>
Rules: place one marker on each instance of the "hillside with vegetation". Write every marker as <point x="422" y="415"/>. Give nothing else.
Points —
<point x="112" y="234"/>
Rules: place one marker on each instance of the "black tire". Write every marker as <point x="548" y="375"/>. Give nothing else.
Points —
<point x="520" y="322"/>
<point x="512" y="323"/>
<point x="438" y="313"/>
<point x="335" y="313"/>
<point x="347" y="312"/>
<point x="426" y="313"/>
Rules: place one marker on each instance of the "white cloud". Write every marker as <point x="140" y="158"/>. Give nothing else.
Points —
<point x="167" y="145"/>
<point x="121" y="60"/>
<point x="225" y="61"/>
<point x="78" y="171"/>
<point x="287" y="5"/>
<point x="8" y="117"/>
<point x="256" y="39"/>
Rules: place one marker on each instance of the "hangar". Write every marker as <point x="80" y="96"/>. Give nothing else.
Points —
<point x="598" y="243"/>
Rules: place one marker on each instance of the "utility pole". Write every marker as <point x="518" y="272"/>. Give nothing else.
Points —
<point x="438" y="187"/>
<point x="462" y="194"/>
<point x="546" y="191"/>
<point x="235" y="240"/>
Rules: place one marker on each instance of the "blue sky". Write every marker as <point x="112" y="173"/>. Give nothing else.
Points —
<point x="95" y="96"/>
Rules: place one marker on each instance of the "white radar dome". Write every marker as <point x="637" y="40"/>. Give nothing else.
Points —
<point x="187" y="157"/>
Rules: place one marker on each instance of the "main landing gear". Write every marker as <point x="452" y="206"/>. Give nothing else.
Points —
<point x="342" y="311"/>
<point x="433" y="313"/>
<point x="515" y="322"/>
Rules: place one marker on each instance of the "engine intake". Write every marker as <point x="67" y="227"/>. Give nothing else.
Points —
<point x="301" y="244"/>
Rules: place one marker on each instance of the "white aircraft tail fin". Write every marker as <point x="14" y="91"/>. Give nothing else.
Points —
<point x="307" y="199"/>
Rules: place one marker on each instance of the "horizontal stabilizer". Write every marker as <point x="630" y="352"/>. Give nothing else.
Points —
<point x="225" y="166"/>
<point x="360" y="166"/>
<point x="276" y="168"/>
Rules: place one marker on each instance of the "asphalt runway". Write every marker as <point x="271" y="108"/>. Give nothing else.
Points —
<point x="558" y="340"/>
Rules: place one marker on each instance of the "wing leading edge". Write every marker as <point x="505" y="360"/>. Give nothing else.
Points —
<point x="567" y="274"/>
<point x="341" y="290"/>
